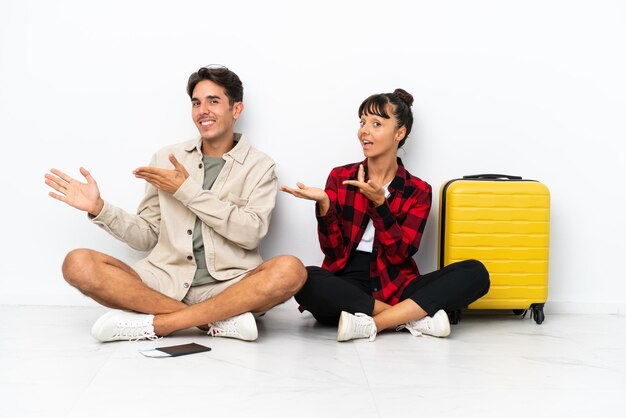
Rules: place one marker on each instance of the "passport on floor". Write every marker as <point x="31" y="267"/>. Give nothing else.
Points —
<point x="175" y="350"/>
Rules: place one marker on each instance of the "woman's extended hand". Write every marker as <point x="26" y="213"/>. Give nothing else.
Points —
<point x="310" y="193"/>
<point x="306" y="192"/>
<point x="374" y="192"/>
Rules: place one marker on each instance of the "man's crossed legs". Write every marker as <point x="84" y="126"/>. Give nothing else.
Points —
<point x="116" y="285"/>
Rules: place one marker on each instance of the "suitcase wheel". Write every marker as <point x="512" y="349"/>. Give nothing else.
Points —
<point x="519" y="311"/>
<point x="537" y="313"/>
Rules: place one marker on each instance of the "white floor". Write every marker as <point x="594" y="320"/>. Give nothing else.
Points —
<point x="491" y="366"/>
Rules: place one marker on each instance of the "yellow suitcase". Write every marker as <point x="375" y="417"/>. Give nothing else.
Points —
<point x="503" y="221"/>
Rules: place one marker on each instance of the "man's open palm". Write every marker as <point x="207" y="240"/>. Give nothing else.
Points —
<point x="83" y="196"/>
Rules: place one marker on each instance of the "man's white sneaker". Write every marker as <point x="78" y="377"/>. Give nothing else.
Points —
<point x="438" y="325"/>
<point x="356" y="326"/>
<point x="241" y="326"/>
<point x="124" y="326"/>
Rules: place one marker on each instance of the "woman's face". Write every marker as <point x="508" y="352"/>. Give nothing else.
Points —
<point x="380" y="136"/>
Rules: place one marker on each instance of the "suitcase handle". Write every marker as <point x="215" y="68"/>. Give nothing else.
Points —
<point x="492" y="176"/>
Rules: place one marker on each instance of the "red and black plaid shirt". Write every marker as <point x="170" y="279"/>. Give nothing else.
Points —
<point x="398" y="224"/>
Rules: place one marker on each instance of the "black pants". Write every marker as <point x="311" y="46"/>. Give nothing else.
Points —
<point x="326" y="294"/>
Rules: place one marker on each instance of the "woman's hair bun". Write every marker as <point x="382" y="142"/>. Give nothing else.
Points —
<point x="405" y="96"/>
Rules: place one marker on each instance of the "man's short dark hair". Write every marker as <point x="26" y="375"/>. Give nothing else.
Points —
<point x="219" y="75"/>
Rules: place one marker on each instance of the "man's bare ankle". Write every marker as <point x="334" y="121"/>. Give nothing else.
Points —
<point x="160" y="326"/>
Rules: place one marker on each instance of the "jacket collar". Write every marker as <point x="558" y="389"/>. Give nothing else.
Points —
<point x="238" y="153"/>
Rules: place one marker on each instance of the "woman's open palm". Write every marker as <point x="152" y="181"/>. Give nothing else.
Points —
<point x="305" y="192"/>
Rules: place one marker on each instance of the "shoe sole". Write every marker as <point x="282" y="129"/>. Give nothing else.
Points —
<point x="344" y="318"/>
<point x="254" y="334"/>
<point x="442" y="318"/>
<point x="96" y="328"/>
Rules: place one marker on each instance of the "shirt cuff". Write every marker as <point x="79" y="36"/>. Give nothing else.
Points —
<point x="187" y="191"/>
<point x="383" y="213"/>
<point x="105" y="215"/>
<point x="328" y="217"/>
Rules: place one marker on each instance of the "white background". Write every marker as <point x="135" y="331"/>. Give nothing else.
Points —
<point x="533" y="88"/>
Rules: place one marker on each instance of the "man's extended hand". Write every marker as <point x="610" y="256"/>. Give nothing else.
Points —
<point x="374" y="192"/>
<point x="167" y="180"/>
<point x="83" y="196"/>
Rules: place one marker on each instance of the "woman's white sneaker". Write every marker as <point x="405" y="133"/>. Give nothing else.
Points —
<point x="356" y="326"/>
<point x="438" y="325"/>
<point x="241" y="326"/>
<point x="124" y="326"/>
